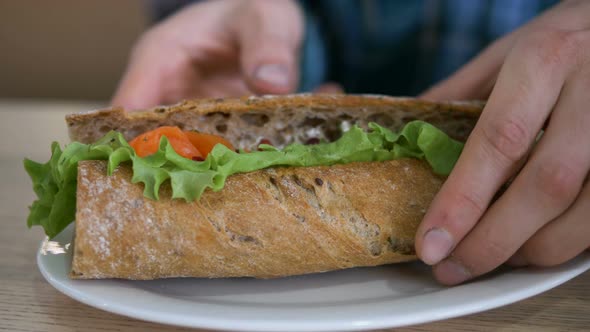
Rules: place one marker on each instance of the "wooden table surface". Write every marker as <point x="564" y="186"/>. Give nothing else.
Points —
<point x="29" y="303"/>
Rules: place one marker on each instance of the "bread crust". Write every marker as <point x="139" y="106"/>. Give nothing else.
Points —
<point x="269" y="223"/>
<point x="280" y="119"/>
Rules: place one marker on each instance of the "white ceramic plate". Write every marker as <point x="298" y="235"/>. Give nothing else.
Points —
<point x="357" y="299"/>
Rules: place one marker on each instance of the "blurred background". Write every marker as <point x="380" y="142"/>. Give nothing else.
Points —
<point x="66" y="49"/>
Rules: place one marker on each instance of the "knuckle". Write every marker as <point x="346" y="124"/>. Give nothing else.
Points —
<point x="557" y="182"/>
<point x="550" y="47"/>
<point x="508" y="139"/>
<point x="471" y="201"/>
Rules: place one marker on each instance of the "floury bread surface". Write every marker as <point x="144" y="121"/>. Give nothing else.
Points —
<point x="280" y="119"/>
<point x="268" y="223"/>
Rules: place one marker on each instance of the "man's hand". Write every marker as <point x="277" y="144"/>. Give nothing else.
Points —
<point x="215" y="49"/>
<point x="537" y="77"/>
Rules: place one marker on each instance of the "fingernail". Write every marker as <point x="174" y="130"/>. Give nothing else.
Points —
<point x="436" y="245"/>
<point x="275" y="74"/>
<point x="451" y="272"/>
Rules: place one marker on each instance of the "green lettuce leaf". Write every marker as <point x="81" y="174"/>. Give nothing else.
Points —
<point x="55" y="181"/>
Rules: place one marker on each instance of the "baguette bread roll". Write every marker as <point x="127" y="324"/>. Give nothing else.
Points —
<point x="269" y="223"/>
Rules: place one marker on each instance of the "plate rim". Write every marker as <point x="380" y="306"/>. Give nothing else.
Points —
<point x="554" y="277"/>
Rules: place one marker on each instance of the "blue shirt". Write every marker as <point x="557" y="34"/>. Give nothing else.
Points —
<point x="397" y="47"/>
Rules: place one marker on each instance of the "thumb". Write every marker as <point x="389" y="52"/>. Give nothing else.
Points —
<point x="269" y="35"/>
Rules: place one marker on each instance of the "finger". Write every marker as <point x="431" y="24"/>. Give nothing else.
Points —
<point x="569" y="234"/>
<point x="154" y="77"/>
<point x="219" y="79"/>
<point x="518" y="106"/>
<point x="476" y="79"/>
<point x="545" y="188"/>
<point x="329" y="88"/>
<point x="269" y="36"/>
<point x="517" y="260"/>
<point x="562" y="239"/>
<point x="220" y="87"/>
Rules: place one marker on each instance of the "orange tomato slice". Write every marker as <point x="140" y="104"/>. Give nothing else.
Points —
<point x="149" y="142"/>
<point x="206" y="142"/>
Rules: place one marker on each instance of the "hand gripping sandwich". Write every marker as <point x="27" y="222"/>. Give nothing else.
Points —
<point x="259" y="187"/>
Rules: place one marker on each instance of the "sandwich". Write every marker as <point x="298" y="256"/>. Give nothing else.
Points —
<point x="260" y="187"/>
